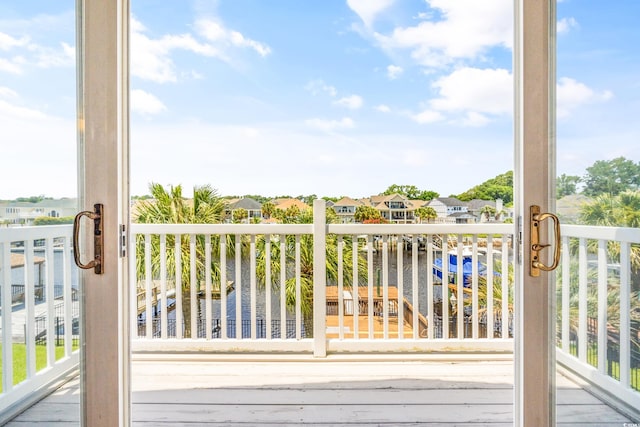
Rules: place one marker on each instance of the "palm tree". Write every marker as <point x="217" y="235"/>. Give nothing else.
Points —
<point x="488" y="211"/>
<point x="498" y="297"/>
<point x="268" y="208"/>
<point x="239" y="215"/>
<point x="622" y="210"/>
<point x="170" y="207"/>
<point x="426" y="212"/>
<point x="306" y="265"/>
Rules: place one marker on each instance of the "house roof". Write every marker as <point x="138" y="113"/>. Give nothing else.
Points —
<point x="376" y="200"/>
<point x="246" y="203"/>
<point x="450" y="201"/>
<point x="477" y="204"/>
<point x="415" y="204"/>
<point x="348" y="201"/>
<point x="460" y="215"/>
<point x="365" y="201"/>
<point x="284" y="204"/>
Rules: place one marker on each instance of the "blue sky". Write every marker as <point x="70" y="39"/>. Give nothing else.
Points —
<point x="333" y="97"/>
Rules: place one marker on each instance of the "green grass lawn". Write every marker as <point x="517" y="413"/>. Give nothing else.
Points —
<point x="20" y="360"/>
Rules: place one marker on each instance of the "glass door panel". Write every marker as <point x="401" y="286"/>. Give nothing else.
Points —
<point x="598" y="177"/>
<point x="41" y="291"/>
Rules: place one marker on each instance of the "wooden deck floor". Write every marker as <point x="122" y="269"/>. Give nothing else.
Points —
<point x="328" y="392"/>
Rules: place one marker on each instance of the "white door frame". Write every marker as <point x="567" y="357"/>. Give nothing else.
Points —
<point x="534" y="179"/>
<point x="103" y="176"/>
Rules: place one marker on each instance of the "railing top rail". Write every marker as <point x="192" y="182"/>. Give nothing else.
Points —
<point x="620" y="234"/>
<point x="290" y="229"/>
<point x="421" y="228"/>
<point x="331" y="228"/>
<point x="19" y="234"/>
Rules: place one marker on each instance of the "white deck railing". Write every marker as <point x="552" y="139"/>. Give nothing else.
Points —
<point x="38" y="309"/>
<point x="400" y="306"/>
<point x="597" y="339"/>
<point x="401" y="303"/>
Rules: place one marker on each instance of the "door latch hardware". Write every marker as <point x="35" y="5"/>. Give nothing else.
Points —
<point x="536" y="246"/>
<point x="98" y="239"/>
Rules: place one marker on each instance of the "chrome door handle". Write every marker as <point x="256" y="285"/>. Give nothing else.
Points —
<point x="536" y="246"/>
<point x="98" y="239"/>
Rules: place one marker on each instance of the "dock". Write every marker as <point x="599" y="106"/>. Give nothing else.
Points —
<point x="396" y="326"/>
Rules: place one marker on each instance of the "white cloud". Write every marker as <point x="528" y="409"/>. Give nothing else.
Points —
<point x="330" y="125"/>
<point x="352" y="102"/>
<point x="145" y="103"/>
<point x="216" y="32"/>
<point x="475" y="119"/>
<point x="427" y="116"/>
<point x="383" y="108"/>
<point x="476" y="90"/>
<point x="571" y="94"/>
<point x="393" y="71"/>
<point x="315" y="87"/>
<point x="565" y="25"/>
<point x="49" y="57"/>
<point x="5" y="92"/>
<point x="7" y="42"/>
<point x="368" y="9"/>
<point x="151" y="58"/>
<point x="459" y="34"/>
<point x="36" y="54"/>
<point x="17" y="112"/>
<point x="10" y="66"/>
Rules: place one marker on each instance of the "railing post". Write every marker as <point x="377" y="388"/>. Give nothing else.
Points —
<point x="319" y="278"/>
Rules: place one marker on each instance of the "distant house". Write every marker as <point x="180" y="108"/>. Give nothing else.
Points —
<point x="395" y="208"/>
<point x="476" y="208"/>
<point x="451" y="210"/>
<point x="25" y="212"/>
<point x="253" y="208"/>
<point x="345" y="208"/>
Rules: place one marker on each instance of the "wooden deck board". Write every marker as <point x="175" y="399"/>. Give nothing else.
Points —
<point x="323" y="393"/>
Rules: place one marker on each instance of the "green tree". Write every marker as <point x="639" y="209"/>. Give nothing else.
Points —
<point x="170" y="207"/>
<point x="410" y="192"/>
<point x="331" y="199"/>
<point x="500" y="187"/>
<point x="611" y="177"/>
<point x="306" y="266"/>
<point x="364" y="213"/>
<point x="566" y="185"/>
<point x="239" y="215"/>
<point x="49" y="220"/>
<point x="307" y="199"/>
<point x="426" y="213"/>
<point x="289" y="215"/>
<point x="622" y="210"/>
<point x="488" y="211"/>
<point x="33" y="199"/>
<point x="268" y="209"/>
